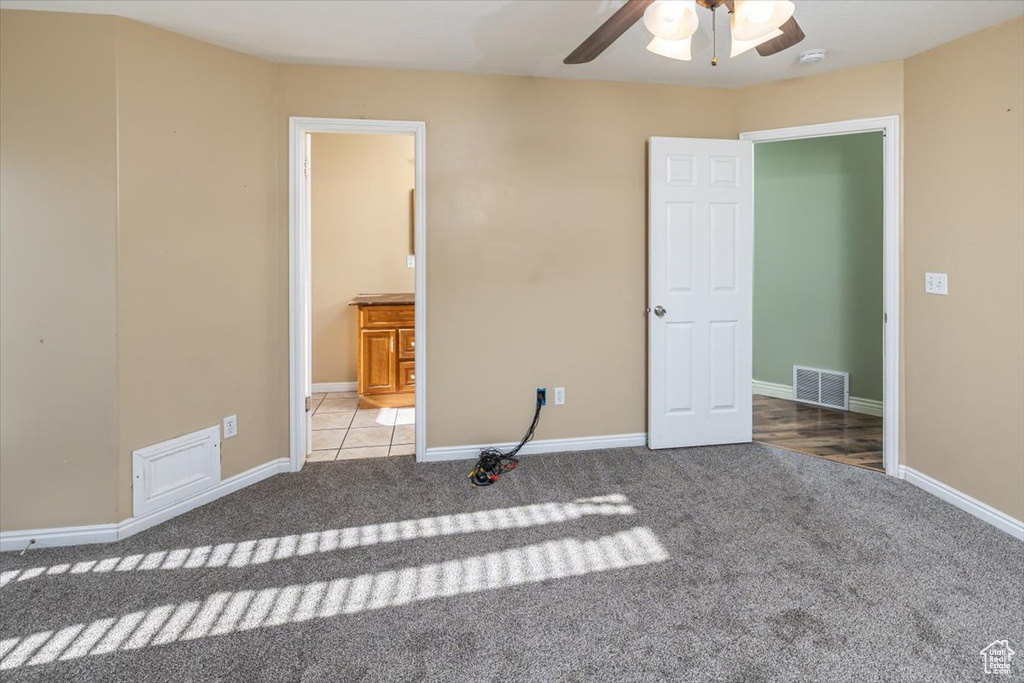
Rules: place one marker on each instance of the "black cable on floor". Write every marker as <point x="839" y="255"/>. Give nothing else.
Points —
<point x="494" y="462"/>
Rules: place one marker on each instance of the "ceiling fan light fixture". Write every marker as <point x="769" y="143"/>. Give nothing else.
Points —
<point x="741" y="46"/>
<point x="672" y="20"/>
<point x="753" y="19"/>
<point x="673" y="49"/>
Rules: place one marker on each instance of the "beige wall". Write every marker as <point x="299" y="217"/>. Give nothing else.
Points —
<point x="58" y="230"/>
<point x="200" y="295"/>
<point x="964" y="216"/>
<point x="141" y="290"/>
<point x="536" y="266"/>
<point x="362" y="228"/>
<point x="536" y="248"/>
<point x="863" y="92"/>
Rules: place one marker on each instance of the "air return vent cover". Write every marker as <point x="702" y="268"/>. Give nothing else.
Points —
<point x="174" y="471"/>
<point x="821" y="387"/>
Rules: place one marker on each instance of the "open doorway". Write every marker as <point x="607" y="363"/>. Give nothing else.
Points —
<point x="823" y="352"/>
<point x="818" y="297"/>
<point x="363" y="295"/>
<point x="358" y="289"/>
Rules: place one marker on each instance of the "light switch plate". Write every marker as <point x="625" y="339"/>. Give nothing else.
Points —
<point x="230" y="426"/>
<point x="936" y="283"/>
<point x="410" y="261"/>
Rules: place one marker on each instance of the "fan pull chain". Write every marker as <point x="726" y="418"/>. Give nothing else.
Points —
<point x="714" y="38"/>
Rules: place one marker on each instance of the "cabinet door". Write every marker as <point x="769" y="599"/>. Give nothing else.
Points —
<point x="377" y="361"/>
<point x="406" y="375"/>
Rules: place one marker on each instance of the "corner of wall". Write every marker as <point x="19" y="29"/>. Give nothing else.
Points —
<point x="59" y="356"/>
<point x="197" y="250"/>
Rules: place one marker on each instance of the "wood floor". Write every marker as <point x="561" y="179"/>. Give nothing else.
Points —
<point x="837" y="435"/>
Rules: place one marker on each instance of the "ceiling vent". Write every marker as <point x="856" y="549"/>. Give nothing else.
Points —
<point x="821" y="387"/>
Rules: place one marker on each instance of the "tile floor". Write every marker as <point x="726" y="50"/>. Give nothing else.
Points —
<point x="342" y="430"/>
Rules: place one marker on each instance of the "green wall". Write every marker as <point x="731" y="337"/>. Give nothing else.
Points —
<point x="818" y="259"/>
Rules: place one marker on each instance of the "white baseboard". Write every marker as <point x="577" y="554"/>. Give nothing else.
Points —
<point x="334" y="387"/>
<point x="134" y="525"/>
<point x="982" y="511"/>
<point x="108" y="533"/>
<point x="58" y="536"/>
<point x="771" y="389"/>
<point x="867" y="406"/>
<point x="586" y="443"/>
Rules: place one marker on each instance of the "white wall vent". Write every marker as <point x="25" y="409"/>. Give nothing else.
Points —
<point x="172" y="471"/>
<point x="821" y="387"/>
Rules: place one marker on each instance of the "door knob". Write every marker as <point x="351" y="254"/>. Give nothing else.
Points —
<point x="660" y="311"/>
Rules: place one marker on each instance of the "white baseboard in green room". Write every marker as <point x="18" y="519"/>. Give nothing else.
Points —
<point x="866" y="406"/>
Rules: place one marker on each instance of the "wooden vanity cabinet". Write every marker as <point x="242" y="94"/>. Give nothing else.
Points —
<point x="387" y="346"/>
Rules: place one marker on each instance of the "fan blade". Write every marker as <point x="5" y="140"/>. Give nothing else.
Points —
<point x="791" y="35"/>
<point x="608" y="32"/>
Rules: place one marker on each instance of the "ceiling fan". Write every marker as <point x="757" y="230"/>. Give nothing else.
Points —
<point x="767" y="25"/>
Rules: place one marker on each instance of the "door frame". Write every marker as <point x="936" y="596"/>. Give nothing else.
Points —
<point x="300" y="267"/>
<point x="889" y="126"/>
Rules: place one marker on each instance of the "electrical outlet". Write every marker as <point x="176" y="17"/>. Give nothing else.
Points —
<point x="936" y="283"/>
<point x="559" y="396"/>
<point x="230" y="426"/>
<point x="410" y="261"/>
<point x="542" y="396"/>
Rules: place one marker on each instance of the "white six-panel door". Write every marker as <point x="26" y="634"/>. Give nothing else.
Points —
<point x="701" y="285"/>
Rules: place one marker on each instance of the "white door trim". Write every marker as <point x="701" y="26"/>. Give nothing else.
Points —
<point x="890" y="128"/>
<point x="299" y="266"/>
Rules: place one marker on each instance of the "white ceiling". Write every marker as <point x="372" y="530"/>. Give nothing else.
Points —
<point x="531" y="37"/>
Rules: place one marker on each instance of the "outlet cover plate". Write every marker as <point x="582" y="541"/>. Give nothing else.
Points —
<point x="230" y="426"/>
<point x="936" y="283"/>
<point x="559" y="396"/>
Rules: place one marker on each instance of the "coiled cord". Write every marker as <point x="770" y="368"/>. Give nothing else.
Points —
<point x="494" y="462"/>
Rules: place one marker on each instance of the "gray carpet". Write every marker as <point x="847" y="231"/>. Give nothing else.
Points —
<point x="738" y="563"/>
